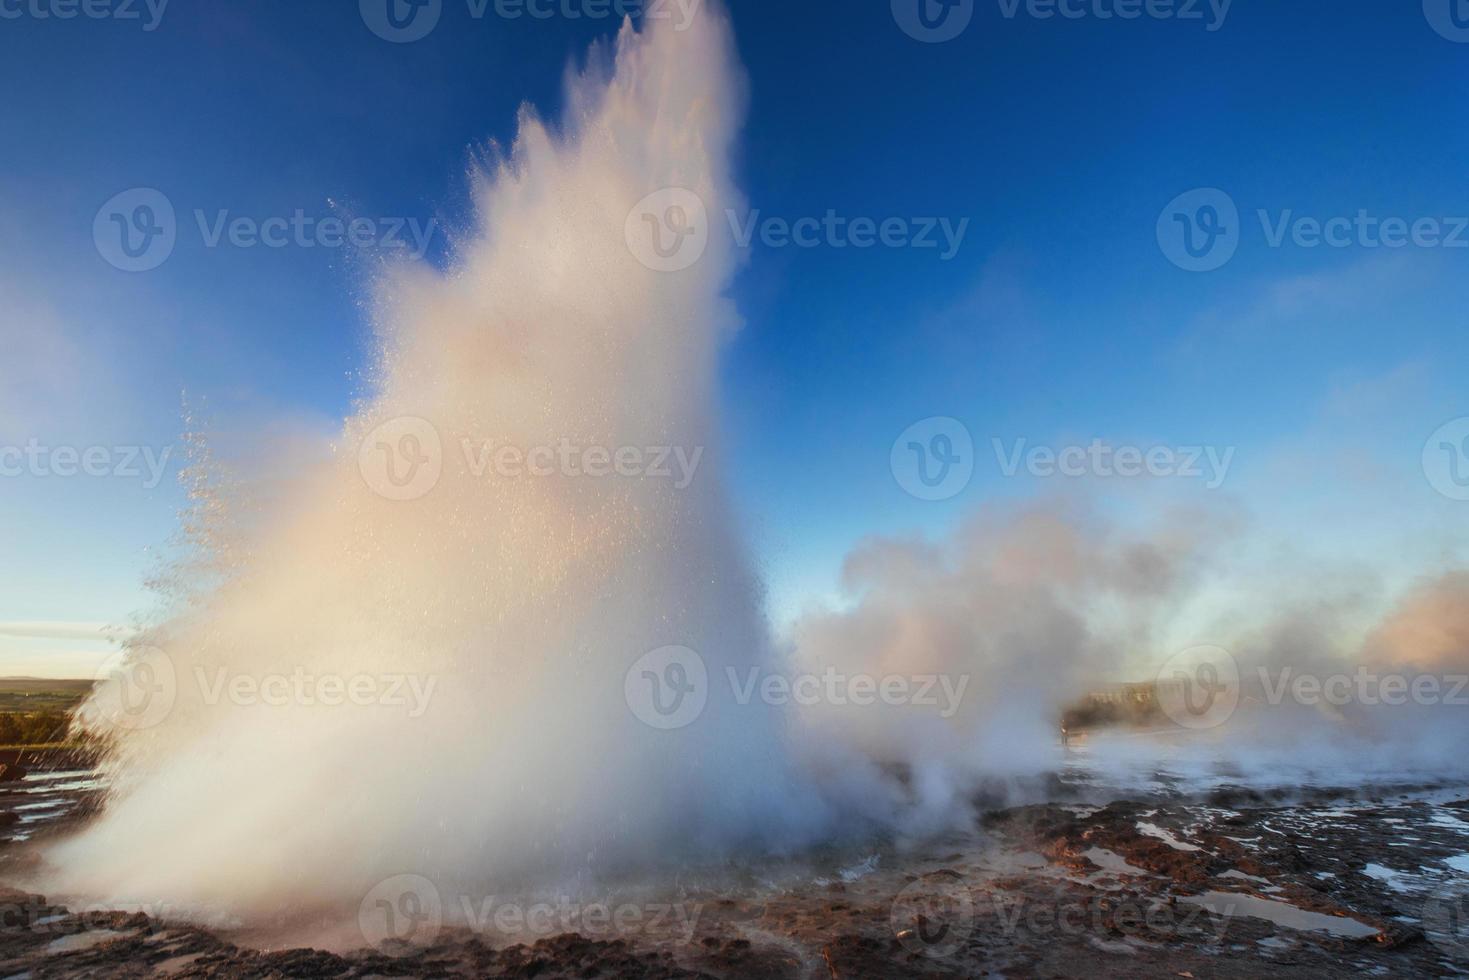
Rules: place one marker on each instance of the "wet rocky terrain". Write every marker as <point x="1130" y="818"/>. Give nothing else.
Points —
<point x="1226" y="882"/>
<point x="44" y="788"/>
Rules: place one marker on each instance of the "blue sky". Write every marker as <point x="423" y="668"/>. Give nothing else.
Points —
<point x="1058" y="320"/>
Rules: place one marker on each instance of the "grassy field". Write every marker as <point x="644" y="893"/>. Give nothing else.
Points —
<point x="36" y="712"/>
<point x="26" y="694"/>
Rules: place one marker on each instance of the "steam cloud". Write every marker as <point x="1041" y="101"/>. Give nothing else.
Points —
<point x="527" y="599"/>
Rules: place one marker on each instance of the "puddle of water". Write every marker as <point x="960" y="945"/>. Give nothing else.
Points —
<point x="1241" y="876"/>
<point x="1281" y="913"/>
<point x="859" y="870"/>
<point x="1441" y="819"/>
<point x="1111" y="861"/>
<point x="1153" y="830"/>
<point x="66" y="786"/>
<point x="1392" y="879"/>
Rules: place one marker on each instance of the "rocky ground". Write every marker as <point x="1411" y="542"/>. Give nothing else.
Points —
<point x="1226" y="883"/>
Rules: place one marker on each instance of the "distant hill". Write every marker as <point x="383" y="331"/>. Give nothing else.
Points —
<point x="28" y="695"/>
<point x="21" y="685"/>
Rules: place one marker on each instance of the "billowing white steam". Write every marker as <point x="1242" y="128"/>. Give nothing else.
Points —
<point x="1034" y="608"/>
<point x="1018" y="611"/>
<point x="523" y="599"/>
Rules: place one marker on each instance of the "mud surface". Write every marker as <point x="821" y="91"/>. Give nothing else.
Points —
<point x="1231" y="882"/>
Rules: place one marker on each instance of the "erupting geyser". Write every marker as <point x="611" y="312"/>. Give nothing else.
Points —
<point x="524" y="599"/>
